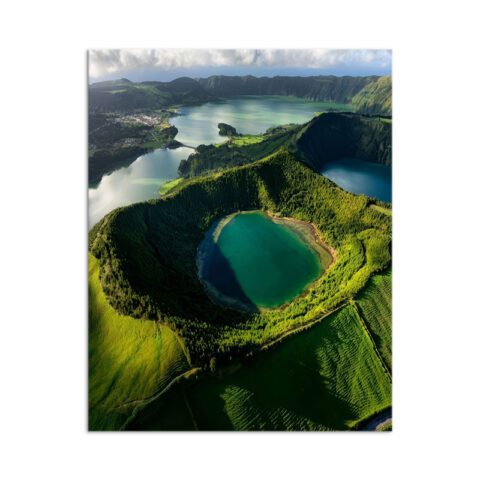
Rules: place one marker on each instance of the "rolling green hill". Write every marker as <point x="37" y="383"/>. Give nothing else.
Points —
<point x="332" y="136"/>
<point x="129" y="360"/>
<point x="147" y="253"/>
<point x="375" y="98"/>
<point x="375" y="307"/>
<point x="124" y="95"/>
<point x="323" y="88"/>
<point x="328" y="378"/>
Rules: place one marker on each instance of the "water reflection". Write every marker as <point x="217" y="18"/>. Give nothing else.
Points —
<point x="138" y="182"/>
<point x="197" y="125"/>
<point x="371" y="179"/>
<point x="248" y="114"/>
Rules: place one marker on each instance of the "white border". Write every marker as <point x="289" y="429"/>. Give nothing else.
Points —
<point x="43" y="240"/>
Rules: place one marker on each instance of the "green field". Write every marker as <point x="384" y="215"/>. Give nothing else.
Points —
<point x="170" y="185"/>
<point x="375" y="307"/>
<point x="247" y="140"/>
<point x="384" y="210"/>
<point x="328" y="378"/>
<point x="129" y="359"/>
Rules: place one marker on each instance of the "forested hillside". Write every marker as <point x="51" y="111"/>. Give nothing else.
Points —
<point x="375" y="98"/>
<point x="327" y="137"/>
<point x="324" y="88"/>
<point x="147" y="252"/>
<point x="332" y="136"/>
<point x="124" y="95"/>
<point x="370" y="93"/>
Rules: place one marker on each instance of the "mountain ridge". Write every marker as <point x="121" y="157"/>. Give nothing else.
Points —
<point x="124" y="95"/>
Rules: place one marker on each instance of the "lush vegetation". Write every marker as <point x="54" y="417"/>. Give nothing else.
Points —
<point x="238" y="150"/>
<point x="170" y="185"/>
<point x="147" y="253"/>
<point x="124" y="95"/>
<point x="329" y="378"/>
<point x="332" y="136"/>
<point x="129" y="361"/>
<point x="226" y="130"/>
<point x="375" y="307"/>
<point x="115" y="140"/>
<point x="327" y="137"/>
<point x="371" y="95"/>
<point x="150" y="320"/>
<point x="375" y="98"/>
<point x="113" y="144"/>
<point x="323" y="88"/>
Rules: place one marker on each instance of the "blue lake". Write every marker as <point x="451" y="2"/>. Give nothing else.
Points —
<point x="371" y="179"/>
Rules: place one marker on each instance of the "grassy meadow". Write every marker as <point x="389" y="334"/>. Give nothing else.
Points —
<point x="375" y="307"/>
<point x="328" y="378"/>
<point x="129" y="359"/>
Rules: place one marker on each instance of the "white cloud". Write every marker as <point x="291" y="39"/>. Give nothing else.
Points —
<point x="105" y="62"/>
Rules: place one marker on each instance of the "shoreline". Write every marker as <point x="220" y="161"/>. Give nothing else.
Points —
<point x="309" y="233"/>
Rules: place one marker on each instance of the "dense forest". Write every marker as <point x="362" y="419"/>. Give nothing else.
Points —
<point x="332" y="136"/>
<point x="237" y="151"/>
<point x="146" y="272"/>
<point x="323" y="88"/>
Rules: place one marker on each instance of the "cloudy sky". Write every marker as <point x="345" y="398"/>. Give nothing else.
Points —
<point x="167" y="64"/>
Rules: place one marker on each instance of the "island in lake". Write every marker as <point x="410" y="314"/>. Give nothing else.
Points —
<point x="239" y="253"/>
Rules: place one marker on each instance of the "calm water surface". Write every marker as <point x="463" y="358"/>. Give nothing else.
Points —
<point x="371" y="179"/>
<point x="253" y="262"/>
<point x="247" y="113"/>
<point x="197" y="125"/>
<point x="140" y="181"/>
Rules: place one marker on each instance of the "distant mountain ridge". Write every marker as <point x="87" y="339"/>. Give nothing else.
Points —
<point x="320" y="88"/>
<point x="375" y="98"/>
<point x="124" y="95"/>
<point x="369" y="95"/>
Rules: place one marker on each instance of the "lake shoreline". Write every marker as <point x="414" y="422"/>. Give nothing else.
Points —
<point x="307" y="231"/>
<point x="310" y="233"/>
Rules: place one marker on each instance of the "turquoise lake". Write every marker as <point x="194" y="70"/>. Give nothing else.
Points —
<point x="248" y="261"/>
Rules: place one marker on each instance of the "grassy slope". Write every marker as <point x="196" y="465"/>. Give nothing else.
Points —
<point x="328" y="378"/>
<point x="375" y="305"/>
<point x="128" y="359"/>
<point x="170" y="185"/>
<point x="375" y="98"/>
<point x="157" y="279"/>
<point x="158" y="276"/>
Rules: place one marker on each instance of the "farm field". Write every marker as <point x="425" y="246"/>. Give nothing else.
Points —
<point x="375" y="307"/>
<point x="328" y="378"/>
<point x="129" y="359"/>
